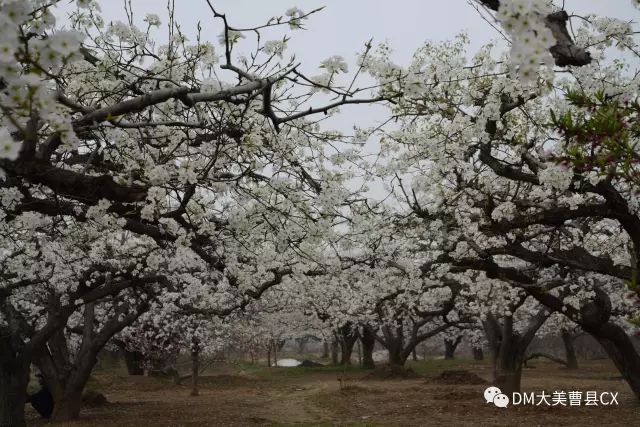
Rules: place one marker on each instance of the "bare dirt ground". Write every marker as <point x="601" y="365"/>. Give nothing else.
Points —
<point x="250" y="396"/>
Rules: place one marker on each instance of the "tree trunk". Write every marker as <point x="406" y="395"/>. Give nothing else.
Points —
<point x="620" y="349"/>
<point x="334" y="352"/>
<point x="195" y="366"/>
<point x="414" y="354"/>
<point x="368" y="340"/>
<point x="275" y="354"/>
<point x="66" y="381"/>
<point x="397" y="354"/>
<point x="302" y="344"/>
<point x="134" y="361"/>
<point x="347" y="338"/>
<point x="346" y="350"/>
<point x="67" y="407"/>
<point x="594" y="319"/>
<point x="269" y="347"/>
<point x="14" y="378"/>
<point x="325" y="350"/>
<point x="397" y="358"/>
<point x="508" y="371"/>
<point x="478" y="354"/>
<point x="450" y="346"/>
<point x="567" y="339"/>
<point x="507" y="352"/>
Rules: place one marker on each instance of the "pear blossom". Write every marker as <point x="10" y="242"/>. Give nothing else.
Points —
<point x="9" y="148"/>
<point x="335" y="64"/>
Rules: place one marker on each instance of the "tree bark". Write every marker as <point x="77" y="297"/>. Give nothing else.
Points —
<point x="346" y="350"/>
<point x="478" y="353"/>
<point x="67" y="384"/>
<point x="67" y="375"/>
<point x="195" y="366"/>
<point x="570" y="351"/>
<point x="398" y="354"/>
<point x="275" y="353"/>
<point x="396" y="357"/>
<point x="450" y="346"/>
<point x="594" y="319"/>
<point x="508" y="349"/>
<point x="347" y="338"/>
<point x="368" y="340"/>
<point x="334" y="352"/>
<point x="508" y="370"/>
<point x="620" y="349"/>
<point x="134" y="361"/>
<point x="68" y="406"/>
<point x="325" y="350"/>
<point x="14" y="378"/>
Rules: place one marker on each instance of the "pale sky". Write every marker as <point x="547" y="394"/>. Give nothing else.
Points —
<point x="344" y="26"/>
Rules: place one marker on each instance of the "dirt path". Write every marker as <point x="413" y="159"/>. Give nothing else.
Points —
<point x="271" y="398"/>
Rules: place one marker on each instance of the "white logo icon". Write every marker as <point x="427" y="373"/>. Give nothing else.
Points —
<point x="494" y="395"/>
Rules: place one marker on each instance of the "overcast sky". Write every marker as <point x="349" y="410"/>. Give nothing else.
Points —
<point x="344" y="26"/>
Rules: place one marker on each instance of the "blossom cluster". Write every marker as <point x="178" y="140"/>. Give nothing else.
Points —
<point x="525" y="22"/>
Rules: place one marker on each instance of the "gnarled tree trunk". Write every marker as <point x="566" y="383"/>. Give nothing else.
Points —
<point x="508" y="348"/>
<point x="615" y="341"/>
<point x="67" y="375"/>
<point x="594" y="319"/>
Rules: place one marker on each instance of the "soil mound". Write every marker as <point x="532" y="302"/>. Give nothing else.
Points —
<point x="459" y="377"/>
<point x="93" y="399"/>
<point x="391" y="372"/>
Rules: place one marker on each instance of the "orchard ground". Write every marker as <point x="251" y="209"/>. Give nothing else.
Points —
<point x="245" y="395"/>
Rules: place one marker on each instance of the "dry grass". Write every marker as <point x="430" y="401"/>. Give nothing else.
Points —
<point x="312" y="397"/>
